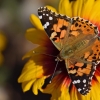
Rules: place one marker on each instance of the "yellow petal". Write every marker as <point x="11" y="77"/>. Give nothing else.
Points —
<point x="27" y="85"/>
<point x="37" y="36"/>
<point x="2" y="41"/>
<point x="38" y="55"/>
<point x="95" y="12"/>
<point x="95" y="90"/>
<point x="77" y="7"/>
<point x="64" y="95"/>
<point x="38" y="85"/>
<point x="51" y="8"/>
<point x="86" y="11"/>
<point x="56" y="94"/>
<point x="30" y="71"/>
<point x="58" y="88"/>
<point x="73" y="93"/>
<point x="27" y="55"/>
<point x="54" y="89"/>
<point x="65" y="8"/>
<point x="98" y="78"/>
<point x="36" y="51"/>
<point x="36" y="22"/>
<point x="82" y="97"/>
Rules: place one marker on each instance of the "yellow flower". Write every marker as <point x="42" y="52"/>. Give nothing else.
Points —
<point x="40" y="66"/>
<point x="2" y="46"/>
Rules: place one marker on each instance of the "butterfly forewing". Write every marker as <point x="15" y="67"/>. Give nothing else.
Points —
<point x="55" y="25"/>
<point x="77" y="41"/>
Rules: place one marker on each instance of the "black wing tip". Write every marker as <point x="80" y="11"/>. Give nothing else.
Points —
<point x="85" y="91"/>
<point x="42" y="8"/>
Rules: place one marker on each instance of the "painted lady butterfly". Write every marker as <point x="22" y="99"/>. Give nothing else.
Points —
<point x="77" y="40"/>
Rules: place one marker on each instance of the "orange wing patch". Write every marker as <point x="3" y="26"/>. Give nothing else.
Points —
<point x="60" y="28"/>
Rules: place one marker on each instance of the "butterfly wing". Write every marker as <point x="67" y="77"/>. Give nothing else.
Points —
<point x="55" y="25"/>
<point x="81" y="73"/>
<point x="82" y="64"/>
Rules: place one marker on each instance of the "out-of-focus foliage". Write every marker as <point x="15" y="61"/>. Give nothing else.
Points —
<point x="14" y="20"/>
<point x="2" y="46"/>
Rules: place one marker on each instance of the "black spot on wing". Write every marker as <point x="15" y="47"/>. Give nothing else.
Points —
<point x="80" y="25"/>
<point x="77" y="19"/>
<point x="73" y="21"/>
<point x="63" y="27"/>
<point x="76" y="24"/>
<point x="58" y="34"/>
<point x="54" y="39"/>
<point x="86" y="21"/>
<point x="88" y="29"/>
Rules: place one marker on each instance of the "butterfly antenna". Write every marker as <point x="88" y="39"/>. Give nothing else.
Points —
<point x="44" y="54"/>
<point x="54" y="71"/>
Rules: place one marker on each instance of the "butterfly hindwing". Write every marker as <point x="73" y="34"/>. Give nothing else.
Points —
<point x="81" y="75"/>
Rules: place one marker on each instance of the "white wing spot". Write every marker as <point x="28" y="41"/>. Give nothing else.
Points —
<point x="40" y="17"/>
<point x="83" y="88"/>
<point x="84" y="85"/>
<point x="98" y="62"/>
<point x="45" y="26"/>
<point x="78" y="81"/>
<point x="84" y="81"/>
<point x="45" y="7"/>
<point x="50" y="18"/>
<point x="47" y="14"/>
<point x="87" y="90"/>
<point x="93" y="73"/>
<point x="47" y="23"/>
<point x="90" y="77"/>
<point x="79" y="89"/>
<point x="75" y="82"/>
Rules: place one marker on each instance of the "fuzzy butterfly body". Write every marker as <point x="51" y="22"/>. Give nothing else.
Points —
<point x="78" y="41"/>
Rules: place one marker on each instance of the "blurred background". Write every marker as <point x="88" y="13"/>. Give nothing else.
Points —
<point x="14" y="20"/>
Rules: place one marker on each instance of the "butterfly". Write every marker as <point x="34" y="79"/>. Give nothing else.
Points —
<point x="78" y="43"/>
